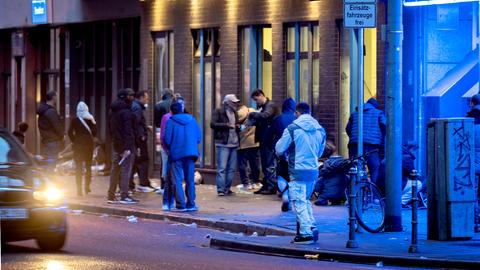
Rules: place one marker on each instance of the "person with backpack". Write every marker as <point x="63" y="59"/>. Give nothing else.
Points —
<point x="81" y="132"/>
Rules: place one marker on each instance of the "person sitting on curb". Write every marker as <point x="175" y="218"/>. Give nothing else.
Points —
<point x="303" y="142"/>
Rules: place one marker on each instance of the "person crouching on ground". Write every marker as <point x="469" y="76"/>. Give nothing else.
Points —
<point x="303" y="142"/>
<point x="182" y="136"/>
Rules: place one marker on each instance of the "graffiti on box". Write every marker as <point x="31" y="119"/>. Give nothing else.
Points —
<point x="462" y="165"/>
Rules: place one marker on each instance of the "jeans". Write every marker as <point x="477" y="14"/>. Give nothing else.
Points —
<point x="140" y="166"/>
<point x="165" y="166"/>
<point x="268" y="159"/>
<point x="249" y="157"/>
<point x="120" y="174"/>
<point x="168" y="188"/>
<point x="226" y="166"/>
<point x="50" y="151"/>
<point x="373" y="159"/>
<point x="184" y="168"/>
<point x="300" y="192"/>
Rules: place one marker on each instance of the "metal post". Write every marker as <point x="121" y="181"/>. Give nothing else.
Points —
<point x="413" y="246"/>
<point x="393" y="94"/>
<point x="352" y="220"/>
<point x="360" y="92"/>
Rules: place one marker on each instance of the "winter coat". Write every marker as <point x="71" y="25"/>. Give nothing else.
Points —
<point x="475" y="113"/>
<point x="49" y="124"/>
<point x="263" y="120"/>
<point x="303" y="141"/>
<point x="333" y="178"/>
<point x="283" y="120"/>
<point x="81" y="138"/>
<point x="374" y="126"/>
<point x="220" y="123"/>
<point x="247" y="136"/>
<point x="141" y="128"/>
<point x="122" y="124"/>
<point x="160" y="109"/>
<point x="182" y="136"/>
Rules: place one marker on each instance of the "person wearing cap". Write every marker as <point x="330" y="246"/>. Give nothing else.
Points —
<point x="226" y="134"/>
<point x="160" y="109"/>
<point x="475" y="113"/>
<point x="122" y="133"/>
<point x="374" y="130"/>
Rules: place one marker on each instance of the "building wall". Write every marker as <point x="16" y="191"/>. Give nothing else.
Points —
<point x="182" y="16"/>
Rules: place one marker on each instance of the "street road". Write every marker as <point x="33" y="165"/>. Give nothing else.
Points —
<point x="106" y="242"/>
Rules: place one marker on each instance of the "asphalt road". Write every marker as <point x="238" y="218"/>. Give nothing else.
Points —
<point x="105" y="242"/>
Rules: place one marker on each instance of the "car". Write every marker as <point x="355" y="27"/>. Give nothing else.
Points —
<point x="31" y="204"/>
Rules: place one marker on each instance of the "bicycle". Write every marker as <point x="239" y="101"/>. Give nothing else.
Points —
<point x="370" y="202"/>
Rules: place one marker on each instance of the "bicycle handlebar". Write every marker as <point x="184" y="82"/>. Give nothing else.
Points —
<point x="364" y="155"/>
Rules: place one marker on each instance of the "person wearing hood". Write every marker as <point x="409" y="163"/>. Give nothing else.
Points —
<point x="279" y="124"/>
<point x="81" y="132"/>
<point x="225" y="131"/>
<point x="247" y="153"/>
<point x="182" y="136"/>
<point x="374" y="130"/>
<point x="140" y="166"/>
<point x="263" y="120"/>
<point x="51" y="128"/>
<point x="122" y="133"/>
<point x="475" y="114"/>
<point x="303" y="142"/>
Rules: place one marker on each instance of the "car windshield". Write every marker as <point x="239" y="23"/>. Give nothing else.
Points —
<point x="10" y="151"/>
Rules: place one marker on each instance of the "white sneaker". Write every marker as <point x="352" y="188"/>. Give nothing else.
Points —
<point x="159" y="191"/>
<point x="145" y="189"/>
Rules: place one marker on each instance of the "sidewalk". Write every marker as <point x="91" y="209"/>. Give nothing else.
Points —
<point x="249" y="216"/>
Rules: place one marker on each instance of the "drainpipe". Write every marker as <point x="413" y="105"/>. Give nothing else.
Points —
<point x="393" y="217"/>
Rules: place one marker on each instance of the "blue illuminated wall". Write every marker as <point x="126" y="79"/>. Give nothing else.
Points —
<point x="440" y="65"/>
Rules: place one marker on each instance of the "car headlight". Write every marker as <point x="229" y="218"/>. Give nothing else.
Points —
<point x="50" y="194"/>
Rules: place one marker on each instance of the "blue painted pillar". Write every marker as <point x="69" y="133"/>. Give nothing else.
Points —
<point x="393" y="96"/>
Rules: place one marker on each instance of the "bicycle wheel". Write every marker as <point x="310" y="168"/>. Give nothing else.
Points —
<point x="370" y="208"/>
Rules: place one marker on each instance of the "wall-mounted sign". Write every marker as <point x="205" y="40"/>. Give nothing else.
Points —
<point x="361" y="14"/>
<point x="39" y="11"/>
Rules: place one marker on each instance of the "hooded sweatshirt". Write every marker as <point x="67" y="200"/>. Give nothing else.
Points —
<point x="303" y="142"/>
<point x="182" y="136"/>
<point x="283" y="120"/>
<point x="122" y="123"/>
<point x="49" y="124"/>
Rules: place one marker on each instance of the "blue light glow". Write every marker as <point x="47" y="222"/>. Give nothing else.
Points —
<point x="434" y="2"/>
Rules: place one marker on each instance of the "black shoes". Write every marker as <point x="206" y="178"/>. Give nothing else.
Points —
<point x="303" y="240"/>
<point x="265" y="191"/>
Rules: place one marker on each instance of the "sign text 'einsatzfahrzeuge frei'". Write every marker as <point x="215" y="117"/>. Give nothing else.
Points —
<point x="360" y="14"/>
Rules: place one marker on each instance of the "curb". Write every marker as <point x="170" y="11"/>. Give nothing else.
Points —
<point x="329" y="255"/>
<point x="245" y="227"/>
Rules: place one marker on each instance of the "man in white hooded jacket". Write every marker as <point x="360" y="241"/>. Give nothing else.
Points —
<point x="303" y="142"/>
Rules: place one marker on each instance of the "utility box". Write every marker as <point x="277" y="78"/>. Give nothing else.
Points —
<point x="451" y="178"/>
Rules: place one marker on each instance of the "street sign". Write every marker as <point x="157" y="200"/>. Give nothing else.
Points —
<point x="39" y="12"/>
<point x="359" y="15"/>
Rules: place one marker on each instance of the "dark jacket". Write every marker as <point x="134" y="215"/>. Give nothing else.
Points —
<point x="263" y="121"/>
<point x="220" y="123"/>
<point x="283" y="120"/>
<point x="182" y="136"/>
<point x="19" y="135"/>
<point x="49" y="124"/>
<point x="81" y="138"/>
<point x="161" y="108"/>
<point x="374" y="126"/>
<point x="141" y="128"/>
<point x="475" y="113"/>
<point x="408" y="164"/>
<point x="122" y="123"/>
<point x="333" y="179"/>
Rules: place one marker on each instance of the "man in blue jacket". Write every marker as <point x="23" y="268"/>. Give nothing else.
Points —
<point x="303" y="142"/>
<point x="182" y="136"/>
<point x="374" y="130"/>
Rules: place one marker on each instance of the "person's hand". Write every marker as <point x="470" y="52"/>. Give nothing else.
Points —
<point x="231" y="126"/>
<point x="150" y="128"/>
